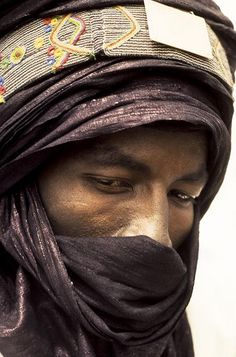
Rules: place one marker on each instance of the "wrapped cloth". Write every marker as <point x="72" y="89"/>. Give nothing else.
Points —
<point x="68" y="74"/>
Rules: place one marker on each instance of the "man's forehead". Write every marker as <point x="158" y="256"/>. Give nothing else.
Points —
<point x="140" y="154"/>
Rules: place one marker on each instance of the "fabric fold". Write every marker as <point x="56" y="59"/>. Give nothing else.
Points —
<point x="126" y="290"/>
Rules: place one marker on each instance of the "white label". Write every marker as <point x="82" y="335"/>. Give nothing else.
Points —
<point x="177" y="28"/>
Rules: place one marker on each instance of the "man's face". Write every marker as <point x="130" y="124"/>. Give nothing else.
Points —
<point x="141" y="181"/>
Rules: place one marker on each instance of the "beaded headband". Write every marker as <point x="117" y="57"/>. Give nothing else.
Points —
<point x="48" y="45"/>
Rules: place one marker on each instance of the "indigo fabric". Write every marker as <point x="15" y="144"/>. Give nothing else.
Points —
<point x="105" y="296"/>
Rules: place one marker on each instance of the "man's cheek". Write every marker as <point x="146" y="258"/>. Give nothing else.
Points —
<point x="103" y="224"/>
<point x="89" y="220"/>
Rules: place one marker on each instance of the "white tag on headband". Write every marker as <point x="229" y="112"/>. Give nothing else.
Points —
<point x="177" y="28"/>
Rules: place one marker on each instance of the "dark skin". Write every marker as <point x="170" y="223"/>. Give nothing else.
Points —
<point x="141" y="181"/>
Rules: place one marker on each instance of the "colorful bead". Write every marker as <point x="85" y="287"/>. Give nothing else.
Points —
<point x="2" y="90"/>
<point x="2" y="100"/>
<point x="1" y="80"/>
<point x="54" y="21"/>
<point x="58" y="52"/>
<point x="47" y="21"/>
<point x="51" y="60"/>
<point x="39" y="42"/>
<point x="48" y="28"/>
<point x="5" y="63"/>
<point x="51" y="50"/>
<point x="1" y="56"/>
<point x="17" y="55"/>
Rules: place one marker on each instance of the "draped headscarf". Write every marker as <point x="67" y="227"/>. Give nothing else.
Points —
<point x="65" y="296"/>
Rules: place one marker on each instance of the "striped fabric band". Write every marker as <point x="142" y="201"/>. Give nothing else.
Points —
<point x="48" y="45"/>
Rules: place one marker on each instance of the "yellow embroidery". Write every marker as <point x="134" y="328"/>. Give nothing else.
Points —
<point x="135" y="28"/>
<point x="54" y="21"/>
<point x="58" y="52"/>
<point x="39" y="42"/>
<point x="70" y="47"/>
<point x="2" y="100"/>
<point x="17" y="55"/>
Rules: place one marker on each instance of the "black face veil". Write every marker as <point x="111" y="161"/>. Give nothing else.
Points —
<point x="62" y="296"/>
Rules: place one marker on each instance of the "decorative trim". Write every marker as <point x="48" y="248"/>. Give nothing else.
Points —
<point x="49" y="45"/>
<point x="135" y="28"/>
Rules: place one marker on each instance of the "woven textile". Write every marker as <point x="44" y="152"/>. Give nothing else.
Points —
<point x="47" y="45"/>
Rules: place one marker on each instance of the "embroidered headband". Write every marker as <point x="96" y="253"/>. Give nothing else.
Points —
<point x="48" y="45"/>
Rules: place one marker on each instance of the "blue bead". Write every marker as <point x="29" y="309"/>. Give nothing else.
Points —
<point x="48" y="28"/>
<point x="51" y="60"/>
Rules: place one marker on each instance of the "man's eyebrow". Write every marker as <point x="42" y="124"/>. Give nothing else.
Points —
<point x="200" y="175"/>
<point x="109" y="155"/>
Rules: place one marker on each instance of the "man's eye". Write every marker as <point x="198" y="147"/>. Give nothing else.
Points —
<point x="182" y="198"/>
<point x="110" y="185"/>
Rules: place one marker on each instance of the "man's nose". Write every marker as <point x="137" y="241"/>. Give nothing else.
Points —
<point x="152" y="218"/>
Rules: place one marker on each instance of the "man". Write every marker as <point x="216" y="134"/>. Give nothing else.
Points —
<point x="138" y="181"/>
<point x="107" y="166"/>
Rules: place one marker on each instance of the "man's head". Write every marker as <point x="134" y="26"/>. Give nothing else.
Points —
<point x="141" y="181"/>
